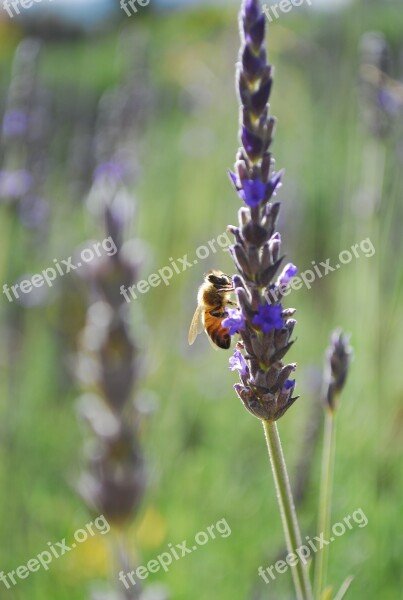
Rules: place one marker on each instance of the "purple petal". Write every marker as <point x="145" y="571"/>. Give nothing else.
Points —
<point x="287" y="274"/>
<point x="253" y="192"/>
<point x="269" y="317"/>
<point x="275" y="183"/>
<point x="237" y="362"/>
<point x="290" y="383"/>
<point x="234" y="321"/>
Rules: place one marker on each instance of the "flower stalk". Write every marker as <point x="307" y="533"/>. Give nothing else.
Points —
<point x="338" y="358"/>
<point x="287" y="510"/>
<point x="325" y="500"/>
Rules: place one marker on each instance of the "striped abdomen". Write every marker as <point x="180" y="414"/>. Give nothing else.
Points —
<point x="218" y="334"/>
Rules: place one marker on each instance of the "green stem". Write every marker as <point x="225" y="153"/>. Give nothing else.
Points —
<point x="121" y="562"/>
<point x="287" y="510"/>
<point x="325" y="506"/>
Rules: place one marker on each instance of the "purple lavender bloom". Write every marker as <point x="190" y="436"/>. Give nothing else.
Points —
<point x="390" y="103"/>
<point x="238" y="363"/>
<point x="265" y="336"/>
<point x="287" y="274"/>
<point x="112" y="169"/>
<point x="253" y="191"/>
<point x="15" y="123"/>
<point x="235" y="320"/>
<point x="14" y="184"/>
<point x="269" y="317"/>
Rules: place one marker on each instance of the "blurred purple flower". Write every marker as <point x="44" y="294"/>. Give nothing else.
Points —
<point x="112" y="169"/>
<point x="389" y="102"/>
<point x="14" y="184"/>
<point x="15" y="123"/>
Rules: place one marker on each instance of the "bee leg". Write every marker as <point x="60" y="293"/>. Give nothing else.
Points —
<point x="230" y="303"/>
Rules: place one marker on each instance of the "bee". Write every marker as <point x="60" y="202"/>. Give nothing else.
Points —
<point x="212" y="298"/>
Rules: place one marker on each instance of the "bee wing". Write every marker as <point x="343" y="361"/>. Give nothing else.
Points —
<point x="196" y="325"/>
<point x="212" y="344"/>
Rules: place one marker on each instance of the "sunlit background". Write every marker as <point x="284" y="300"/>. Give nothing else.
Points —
<point x="148" y="103"/>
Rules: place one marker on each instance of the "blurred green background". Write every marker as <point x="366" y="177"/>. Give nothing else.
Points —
<point x="206" y="455"/>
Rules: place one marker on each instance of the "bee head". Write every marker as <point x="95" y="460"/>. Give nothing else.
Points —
<point x="218" y="279"/>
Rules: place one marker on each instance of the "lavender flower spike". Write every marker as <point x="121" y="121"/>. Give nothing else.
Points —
<point x="265" y="388"/>
<point x="266" y="385"/>
<point x="338" y="358"/>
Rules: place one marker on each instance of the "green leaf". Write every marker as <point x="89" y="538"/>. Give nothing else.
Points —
<point x="327" y="593"/>
<point x="344" y="588"/>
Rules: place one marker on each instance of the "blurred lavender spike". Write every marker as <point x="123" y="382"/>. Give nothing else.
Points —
<point x="68" y="19"/>
<point x="381" y="96"/>
<point x="24" y="139"/>
<point x="114" y="479"/>
<point x="338" y="358"/>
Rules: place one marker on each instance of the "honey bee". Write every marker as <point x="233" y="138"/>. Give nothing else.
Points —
<point x="212" y="298"/>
